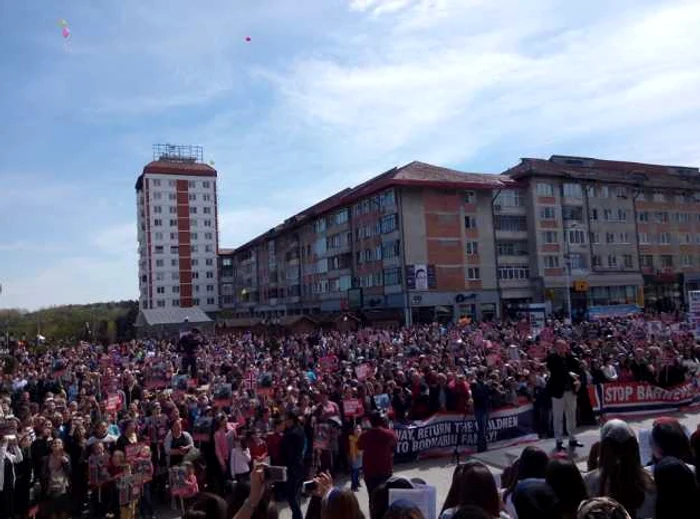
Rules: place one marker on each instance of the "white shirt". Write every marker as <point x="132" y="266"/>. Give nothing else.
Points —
<point x="240" y="461"/>
<point x="13" y="455"/>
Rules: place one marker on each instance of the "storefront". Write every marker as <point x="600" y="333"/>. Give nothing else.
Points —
<point x="663" y="292"/>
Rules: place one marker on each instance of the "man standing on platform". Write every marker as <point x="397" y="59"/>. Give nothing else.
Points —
<point x="563" y="384"/>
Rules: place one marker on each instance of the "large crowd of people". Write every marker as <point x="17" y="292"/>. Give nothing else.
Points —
<point x="201" y="421"/>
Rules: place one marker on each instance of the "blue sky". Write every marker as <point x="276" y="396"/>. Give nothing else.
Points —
<point x="327" y="94"/>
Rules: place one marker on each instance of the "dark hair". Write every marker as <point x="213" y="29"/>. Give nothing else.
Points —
<point x="536" y="500"/>
<point x="379" y="502"/>
<point x="676" y="489"/>
<point x="473" y="484"/>
<point x="531" y="464"/>
<point x="622" y="476"/>
<point x="593" y="457"/>
<point x="670" y="438"/>
<point x="566" y="481"/>
<point x="403" y="512"/>
<point x="341" y="504"/>
<point x="266" y="508"/>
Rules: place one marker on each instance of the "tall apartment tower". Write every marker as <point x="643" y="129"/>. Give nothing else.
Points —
<point x="177" y="230"/>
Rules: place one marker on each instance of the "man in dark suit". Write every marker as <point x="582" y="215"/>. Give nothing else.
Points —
<point x="292" y="456"/>
<point x="563" y="384"/>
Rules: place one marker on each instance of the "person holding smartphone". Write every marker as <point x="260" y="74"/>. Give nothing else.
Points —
<point x="11" y="455"/>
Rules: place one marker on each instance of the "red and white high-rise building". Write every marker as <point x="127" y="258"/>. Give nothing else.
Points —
<point x="177" y="230"/>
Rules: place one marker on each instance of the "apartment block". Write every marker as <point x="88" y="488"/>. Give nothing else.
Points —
<point x="177" y="231"/>
<point x="422" y="242"/>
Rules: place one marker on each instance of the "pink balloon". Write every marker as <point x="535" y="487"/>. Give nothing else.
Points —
<point x="66" y="32"/>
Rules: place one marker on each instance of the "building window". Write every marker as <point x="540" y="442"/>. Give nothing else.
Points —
<point x="543" y="189"/>
<point x="176" y="302"/>
<point x="172" y="209"/>
<point x="687" y="238"/>
<point x="472" y="248"/>
<point x="646" y="261"/>
<point x="173" y="223"/>
<point x="159" y="263"/>
<point x="174" y="249"/>
<point x="548" y="213"/>
<point x="612" y="260"/>
<point x="158" y="249"/>
<point x="156" y="182"/>
<point x="173" y="236"/>
<point x="578" y="262"/>
<point x="470" y="222"/>
<point x="643" y="238"/>
<point x="207" y="223"/>
<point x="666" y="261"/>
<point x="513" y="272"/>
<point x="172" y="197"/>
<point x="195" y="301"/>
<point x="175" y="276"/>
<point x="195" y="275"/>
<point x="206" y="210"/>
<point x="206" y="184"/>
<point x="173" y="263"/>
<point x="510" y="198"/>
<point x="622" y="215"/>
<point x="392" y="276"/>
<point x="604" y="192"/>
<point x="208" y="248"/>
<point x="595" y="238"/>
<point x="208" y="262"/>
<point x="591" y="191"/>
<point x="510" y="223"/>
<point x="159" y="236"/>
<point x="176" y="290"/>
<point x="206" y="198"/>
<point x="157" y="209"/>
<point x="659" y="196"/>
<point x="608" y="215"/>
<point x="473" y="273"/>
<point x="388" y="223"/>
<point x="390" y="249"/>
<point x="191" y="184"/>
<point x="687" y="260"/>
<point x="609" y="237"/>
<point x="469" y="197"/>
<point x="160" y="303"/>
<point x="210" y="275"/>
<point x="627" y="261"/>
<point x="160" y="290"/>
<point x="576" y="237"/>
<point x="210" y="300"/>
<point x="624" y="237"/>
<point x="193" y="210"/>
<point x="597" y="261"/>
<point x="210" y="288"/>
<point x="512" y="248"/>
<point x="160" y="276"/>
<point x="643" y="216"/>
<point x="573" y="191"/>
<point x="551" y="262"/>
<point x="157" y="222"/>
<point x="320" y="225"/>
<point x="661" y="216"/>
<point x="550" y="237"/>
<point x="208" y="235"/>
<point x="664" y="238"/>
<point x="594" y="215"/>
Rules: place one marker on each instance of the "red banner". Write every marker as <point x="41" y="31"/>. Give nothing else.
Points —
<point x="629" y="398"/>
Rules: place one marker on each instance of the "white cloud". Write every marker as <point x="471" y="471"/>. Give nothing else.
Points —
<point x="533" y="74"/>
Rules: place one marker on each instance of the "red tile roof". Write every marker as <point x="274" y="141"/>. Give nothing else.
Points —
<point x="414" y="174"/>
<point x="166" y="167"/>
<point x="612" y="171"/>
